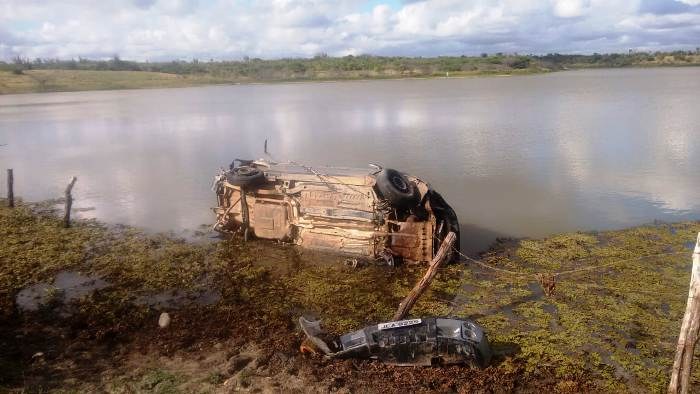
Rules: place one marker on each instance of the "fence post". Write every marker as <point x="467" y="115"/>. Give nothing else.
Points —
<point x="10" y="190"/>
<point x="245" y="215"/>
<point x="69" y="202"/>
<point x="688" y="337"/>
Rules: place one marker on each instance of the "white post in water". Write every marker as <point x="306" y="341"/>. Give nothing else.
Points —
<point x="680" y="375"/>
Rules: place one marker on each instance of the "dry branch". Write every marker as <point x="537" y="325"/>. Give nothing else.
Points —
<point x="420" y="287"/>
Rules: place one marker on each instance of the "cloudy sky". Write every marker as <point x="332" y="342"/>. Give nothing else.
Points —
<point x="231" y="29"/>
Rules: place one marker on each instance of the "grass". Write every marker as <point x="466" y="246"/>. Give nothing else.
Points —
<point x="35" y="81"/>
<point x="613" y="327"/>
<point x="159" y="381"/>
<point x="38" y="81"/>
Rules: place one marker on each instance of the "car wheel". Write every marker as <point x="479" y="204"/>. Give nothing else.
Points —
<point x="245" y="176"/>
<point x="397" y="189"/>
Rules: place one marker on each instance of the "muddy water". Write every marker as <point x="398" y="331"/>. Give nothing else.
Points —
<point x="66" y="287"/>
<point x="518" y="156"/>
<point x="69" y="286"/>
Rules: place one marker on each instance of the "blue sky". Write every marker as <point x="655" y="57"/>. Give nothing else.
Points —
<point x="368" y="6"/>
<point x="232" y="29"/>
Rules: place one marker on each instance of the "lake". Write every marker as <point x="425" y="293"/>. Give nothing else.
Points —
<point x="522" y="156"/>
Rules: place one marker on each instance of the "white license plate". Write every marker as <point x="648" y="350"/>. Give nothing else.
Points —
<point x="397" y="324"/>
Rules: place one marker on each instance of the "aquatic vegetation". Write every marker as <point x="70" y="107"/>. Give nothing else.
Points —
<point x="613" y="326"/>
<point x="619" y="321"/>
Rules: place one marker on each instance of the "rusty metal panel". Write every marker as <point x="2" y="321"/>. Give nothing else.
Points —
<point x="312" y="239"/>
<point x="413" y="241"/>
<point x="270" y="220"/>
<point x="337" y="213"/>
<point x="336" y="199"/>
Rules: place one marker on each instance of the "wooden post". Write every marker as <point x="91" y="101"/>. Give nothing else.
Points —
<point x="69" y="202"/>
<point x="245" y="215"/>
<point x="688" y="337"/>
<point x="10" y="190"/>
<point x="420" y="287"/>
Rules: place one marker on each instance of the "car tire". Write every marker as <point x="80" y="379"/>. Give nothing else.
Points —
<point x="245" y="176"/>
<point x="397" y="189"/>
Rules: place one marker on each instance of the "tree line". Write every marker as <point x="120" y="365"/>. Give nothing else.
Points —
<point x="364" y="65"/>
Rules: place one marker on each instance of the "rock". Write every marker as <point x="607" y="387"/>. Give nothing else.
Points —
<point x="164" y="320"/>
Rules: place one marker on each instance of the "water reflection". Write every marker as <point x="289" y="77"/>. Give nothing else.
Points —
<point x="525" y="156"/>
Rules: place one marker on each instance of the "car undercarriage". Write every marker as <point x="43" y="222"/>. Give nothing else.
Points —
<point x="375" y="213"/>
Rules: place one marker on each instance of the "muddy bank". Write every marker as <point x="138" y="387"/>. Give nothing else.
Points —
<point x="80" y="307"/>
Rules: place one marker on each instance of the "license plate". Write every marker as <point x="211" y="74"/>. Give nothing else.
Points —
<point x="397" y="324"/>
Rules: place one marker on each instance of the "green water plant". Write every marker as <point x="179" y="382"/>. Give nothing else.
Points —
<point x="611" y="321"/>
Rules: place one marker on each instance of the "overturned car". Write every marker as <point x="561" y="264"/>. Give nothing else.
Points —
<point x="375" y="212"/>
<point x="427" y="341"/>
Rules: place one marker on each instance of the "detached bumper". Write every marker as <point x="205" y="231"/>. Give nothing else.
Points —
<point x="426" y="341"/>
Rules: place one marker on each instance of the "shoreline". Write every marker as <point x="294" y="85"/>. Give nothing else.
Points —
<point x="202" y="82"/>
<point x="600" y="330"/>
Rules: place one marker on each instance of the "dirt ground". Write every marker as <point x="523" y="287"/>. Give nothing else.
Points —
<point x="204" y="352"/>
<point x="234" y="308"/>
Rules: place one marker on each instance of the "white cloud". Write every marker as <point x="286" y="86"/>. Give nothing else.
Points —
<point x="650" y="22"/>
<point x="570" y="8"/>
<point x="231" y="29"/>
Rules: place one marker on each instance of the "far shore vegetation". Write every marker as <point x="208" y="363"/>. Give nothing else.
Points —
<point x="24" y="75"/>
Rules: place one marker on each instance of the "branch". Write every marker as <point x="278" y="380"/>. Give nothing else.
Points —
<point x="70" y="185"/>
